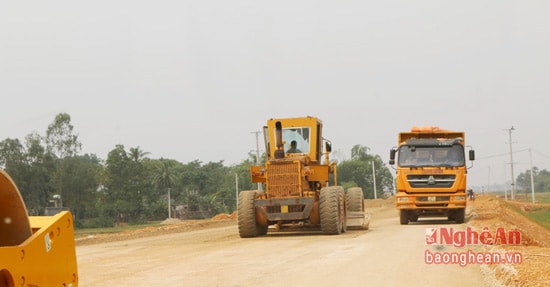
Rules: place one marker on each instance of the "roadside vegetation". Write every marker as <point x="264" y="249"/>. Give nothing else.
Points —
<point x="130" y="188"/>
<point x="538" y="212"/>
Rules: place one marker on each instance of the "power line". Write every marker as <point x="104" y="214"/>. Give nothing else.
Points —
<point x="501" y="154"/>
<point x="540" y="153"/>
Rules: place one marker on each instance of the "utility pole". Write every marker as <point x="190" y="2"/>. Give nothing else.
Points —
<point x="505" y="188"/>
<point x="512" y="189"/>
<point x="236" y="191"/>
<point x="374" y="179"/>
<point x="258" y="155"/>
<point x="488" y="181"/>
<point x="532" y="180"/>
<point x="169" y="205"/>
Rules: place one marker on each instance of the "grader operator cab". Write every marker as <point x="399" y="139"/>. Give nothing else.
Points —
<point x="34" y="250"/>
<point x="300" y="184"/>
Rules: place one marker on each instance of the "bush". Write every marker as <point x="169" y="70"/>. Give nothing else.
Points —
<point x="96" y="222"/>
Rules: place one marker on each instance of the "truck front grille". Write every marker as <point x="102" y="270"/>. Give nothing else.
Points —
<point x="283" y="179"/>
<point x="431" y="181"/>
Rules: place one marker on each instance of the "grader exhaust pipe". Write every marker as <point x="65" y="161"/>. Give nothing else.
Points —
<point x="280" y="151"/>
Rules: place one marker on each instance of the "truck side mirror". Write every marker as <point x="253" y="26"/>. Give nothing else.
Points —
<point x="328" y="147"/>
<point x="472" y="154"/>
<point x="392" y="156"/>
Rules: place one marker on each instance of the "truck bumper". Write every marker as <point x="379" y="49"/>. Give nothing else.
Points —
<point x="430" y="201"/>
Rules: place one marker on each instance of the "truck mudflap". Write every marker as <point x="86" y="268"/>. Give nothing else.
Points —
<point x="285" y="209"/>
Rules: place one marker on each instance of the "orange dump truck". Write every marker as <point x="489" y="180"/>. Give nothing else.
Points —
<point x="431" y="174"/>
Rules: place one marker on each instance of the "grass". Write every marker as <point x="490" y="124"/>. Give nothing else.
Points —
<point x="540" y="197"/>
<point x="116" y="229"/>
<point x="539" y="214"/>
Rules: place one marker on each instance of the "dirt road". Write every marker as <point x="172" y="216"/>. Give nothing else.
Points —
<point x="388" y="254"/>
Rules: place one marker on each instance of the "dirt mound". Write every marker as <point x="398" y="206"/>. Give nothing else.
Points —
<point x="167" y="226"/>
<point x="380" y="202"/>
<point x="492" y="213"/>
<point x="171" y="221"/>
<point x="225" y="216"/>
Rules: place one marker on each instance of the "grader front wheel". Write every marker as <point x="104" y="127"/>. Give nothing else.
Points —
<point x="248" y="227"/>
<point x="332" y="210"/>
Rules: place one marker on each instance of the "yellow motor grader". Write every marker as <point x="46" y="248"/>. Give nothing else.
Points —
<point x="300" y="184"/>
<point x="34" y="250"/>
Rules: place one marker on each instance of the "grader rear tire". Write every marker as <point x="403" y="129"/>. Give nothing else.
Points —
<point x="248" y="227"/>
<point x="343" y="210"/>
<point x="355" y="199"/>
<point x="331" y="209"/>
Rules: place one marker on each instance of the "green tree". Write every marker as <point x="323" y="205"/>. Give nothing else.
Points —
<point x="31" y="170"/>
<point x="164" y="179"/>
<point x="80" y="182"/>
<point x="121" y="199"/>
<point x="37" y="184"/>
<point x="60" y="138"/>
<point x="62" y="144"/>
<point x="12" y="154"/>
<point x="359" y="172"/>
<point x="541" y="179"/>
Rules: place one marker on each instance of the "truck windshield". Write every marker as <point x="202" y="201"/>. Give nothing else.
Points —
<point x="298" y="136"/>
<point x="417" y="156"/>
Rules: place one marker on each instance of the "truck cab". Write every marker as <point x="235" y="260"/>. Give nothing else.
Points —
<point x="431" y="174"/>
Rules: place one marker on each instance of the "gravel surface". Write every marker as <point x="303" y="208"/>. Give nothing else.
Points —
<point x="210" y="253"/>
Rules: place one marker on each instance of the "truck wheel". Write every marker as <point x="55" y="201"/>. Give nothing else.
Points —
<point x="459" y="215"/>
<point x="403" y="217"/>
<point x="248" y="227"/>
<point x="451" y="215"/>
<point x="355" y="199"/>
<point x="330" y="210"/>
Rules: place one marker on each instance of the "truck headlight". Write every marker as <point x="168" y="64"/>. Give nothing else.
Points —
<point x="460" y="197"/>
<point x="402" y="199"/>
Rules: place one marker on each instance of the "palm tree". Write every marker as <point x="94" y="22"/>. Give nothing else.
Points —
<point x="136" y="154"/>
<point x="165" y="178"/>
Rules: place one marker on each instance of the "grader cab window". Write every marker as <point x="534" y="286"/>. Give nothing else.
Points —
<point x="298" y="136"/>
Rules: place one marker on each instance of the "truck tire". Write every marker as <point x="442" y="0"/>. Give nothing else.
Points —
<point x="355" y="199"/>
<point x="248" y="227"/>
<point x="330" y="209"/>
<point x="460" y="215"/>
<point x="403" y="217"/>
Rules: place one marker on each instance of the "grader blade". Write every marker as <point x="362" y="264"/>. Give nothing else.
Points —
<point x="358" y="220"/>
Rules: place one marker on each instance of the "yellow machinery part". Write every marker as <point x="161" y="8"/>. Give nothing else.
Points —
<point x="36" y="250"/>
<point x="14" y="226"/>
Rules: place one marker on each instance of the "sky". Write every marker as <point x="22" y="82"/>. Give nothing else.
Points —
<point x="193" y="80"/>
